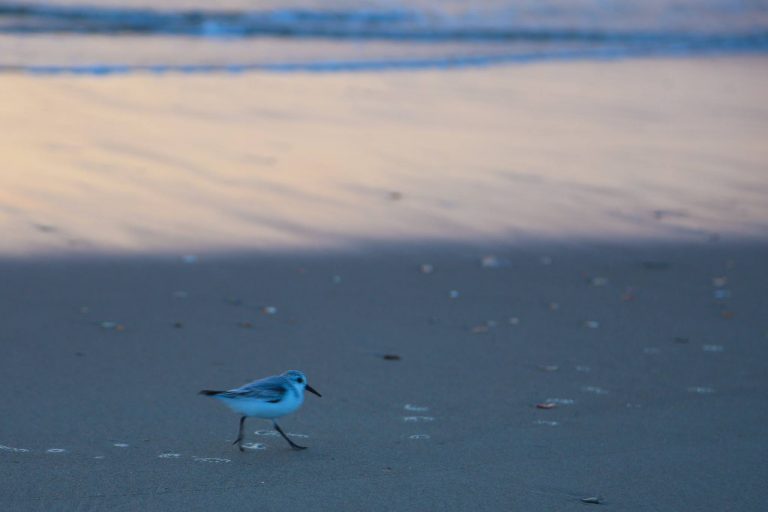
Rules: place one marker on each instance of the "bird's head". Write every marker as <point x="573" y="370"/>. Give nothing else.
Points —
<point x="299" y="380"/>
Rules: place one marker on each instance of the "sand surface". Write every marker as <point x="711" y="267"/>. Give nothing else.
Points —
<point x="595" y="235"/>
<point x="652" y="149"/>
<point x="660" y="386"/>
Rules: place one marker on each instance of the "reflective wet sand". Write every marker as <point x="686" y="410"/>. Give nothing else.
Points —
<point x="669" y="149"/>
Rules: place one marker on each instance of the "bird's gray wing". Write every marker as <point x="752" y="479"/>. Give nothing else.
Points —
<point x="271" y="389"/>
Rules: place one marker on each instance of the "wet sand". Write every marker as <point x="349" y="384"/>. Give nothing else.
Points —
<point x="596" y="235"/>
<point x="647" y="149"/>
<point x="660" y="348"/>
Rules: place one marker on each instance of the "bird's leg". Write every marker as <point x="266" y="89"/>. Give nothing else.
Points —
<point x="293" y="445"/>
<point x="239" y="440"/>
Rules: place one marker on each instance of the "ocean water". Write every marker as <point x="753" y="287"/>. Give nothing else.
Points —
<point x="106" y="36"/>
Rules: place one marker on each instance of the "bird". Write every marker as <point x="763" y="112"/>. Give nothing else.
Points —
<point x="268" y="398"/>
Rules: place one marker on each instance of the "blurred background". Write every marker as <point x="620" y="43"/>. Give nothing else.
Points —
<point x="237" y="35"/>
<point x="240" y="124"/>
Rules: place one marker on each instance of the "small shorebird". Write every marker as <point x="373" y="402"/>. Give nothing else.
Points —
<point x="268" y="399"/>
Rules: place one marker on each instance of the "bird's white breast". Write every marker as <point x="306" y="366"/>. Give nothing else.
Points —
<point x="262" y="409"/>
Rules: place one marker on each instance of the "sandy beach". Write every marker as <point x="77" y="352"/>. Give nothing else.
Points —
<point x="659" y="387"/>
<point x="565" y="263"/>
<point x="648" y="149"/>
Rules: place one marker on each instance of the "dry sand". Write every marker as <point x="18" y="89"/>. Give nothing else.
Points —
<point x="597" y="189"/>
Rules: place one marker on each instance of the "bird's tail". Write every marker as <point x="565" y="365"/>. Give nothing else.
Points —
<point x="209" y="392"/>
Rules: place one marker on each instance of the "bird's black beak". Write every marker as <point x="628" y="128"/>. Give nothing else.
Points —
<point x="313" y="390"/>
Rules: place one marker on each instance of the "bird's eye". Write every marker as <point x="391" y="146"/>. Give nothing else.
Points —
<point x="300" y="380"/>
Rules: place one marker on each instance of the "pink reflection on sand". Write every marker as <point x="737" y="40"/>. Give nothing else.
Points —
<point x="563" y="151"/>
